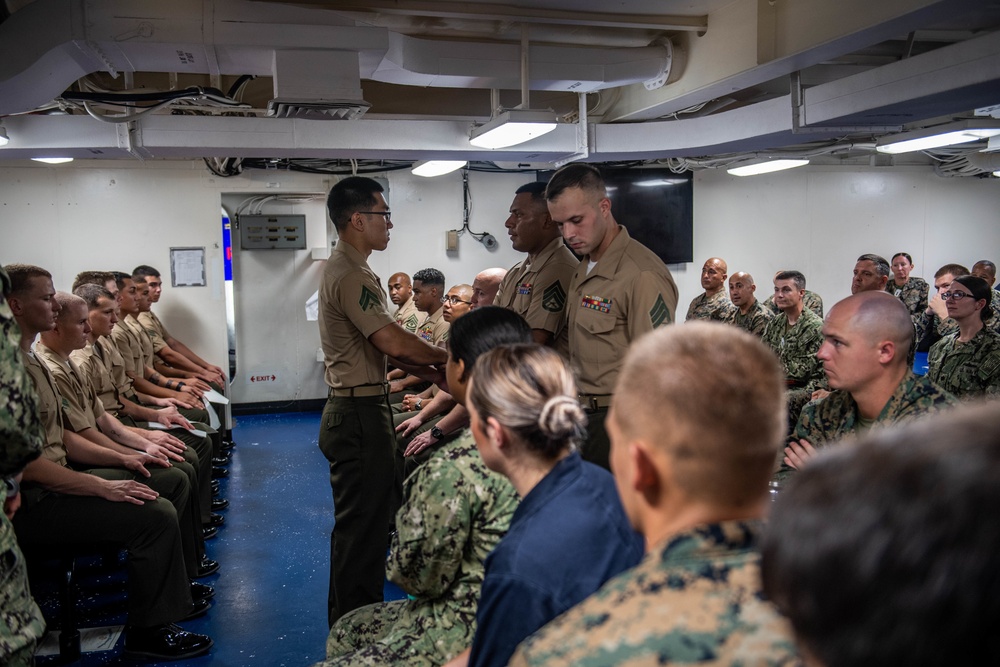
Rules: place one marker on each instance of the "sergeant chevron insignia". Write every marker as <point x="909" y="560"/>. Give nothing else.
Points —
<point x="659" y="313"/>
<point x="368" y="298"/>
<point x="554" y="298"/>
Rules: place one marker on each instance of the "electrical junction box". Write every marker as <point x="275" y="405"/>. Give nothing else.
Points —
<point x="273" y="232"/>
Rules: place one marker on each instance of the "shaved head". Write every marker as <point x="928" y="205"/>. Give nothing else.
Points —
<point x="742" y="275"/>
<point x="485" y="286"/>
<point x="880" y="316"/>
<point x="66" y="303"/>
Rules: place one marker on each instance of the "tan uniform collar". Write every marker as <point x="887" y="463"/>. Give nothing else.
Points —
<point x="545" y="253"/>
<point x="607" y="265"/>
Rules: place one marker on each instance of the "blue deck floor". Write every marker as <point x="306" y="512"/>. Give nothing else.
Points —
<point x="270" y="602"/>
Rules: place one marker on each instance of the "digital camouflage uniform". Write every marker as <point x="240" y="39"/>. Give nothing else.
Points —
<point x="931" y="322"/>
<point x="796" y="349"/>
<point x="756" y="319"/>
<point x="537" y="291"/>
<point x="835" y="417"/>
<point x="696" y="599"/>
<point x="455" y="512"/>
<point x="21" y="441"/>
<point x="967" y="370"/>
<point x="408" y="317"/>
<point x="913" y="294"/>
<point x="810" y="301"/>
<point x="717" y="307"/>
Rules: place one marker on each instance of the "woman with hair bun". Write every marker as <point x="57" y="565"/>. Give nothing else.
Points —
<point x="967" y="363"/>
<point x="569" y="534"/>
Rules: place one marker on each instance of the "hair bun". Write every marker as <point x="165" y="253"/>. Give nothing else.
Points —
<point x="561" y="417"/>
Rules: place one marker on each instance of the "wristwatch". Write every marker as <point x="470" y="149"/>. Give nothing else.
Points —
<point x="418" y="403"/>
<point x="437" y="433"/>
<point x="13" y="487"/>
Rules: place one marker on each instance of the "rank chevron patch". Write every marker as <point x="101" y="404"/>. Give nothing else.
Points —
<point x="554" y="298"/>
<point x="659" y="313"/>
<point x="368" y="298"/>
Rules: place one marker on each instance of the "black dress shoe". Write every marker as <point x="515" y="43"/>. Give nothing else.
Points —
<point x="227" y="445"/>
<point x="199" y="608"/>
<point x="214" y="520"/>
<point x="220" y="460"/>
<point x="208" y="532"/>
<point x="164" y="642"/>
<point x="219" y="504"/>
<point x="218" y="472"/>
<point x="201" y="591"/>
<point x="206" y="567"/>
<point x="216" y="487"/>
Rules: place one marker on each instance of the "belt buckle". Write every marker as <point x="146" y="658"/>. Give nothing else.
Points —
<point x="589" y="403"/>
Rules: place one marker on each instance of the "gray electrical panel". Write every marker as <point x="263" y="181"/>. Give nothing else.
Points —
<point x="273" y="232"/>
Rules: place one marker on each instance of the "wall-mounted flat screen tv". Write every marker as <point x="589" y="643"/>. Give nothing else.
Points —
<point x="655" y="205"/>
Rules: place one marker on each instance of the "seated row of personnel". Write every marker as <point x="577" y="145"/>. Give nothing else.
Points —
<point x="963" y="323"/>
<point x="615" y="294"/>
<point x="104" y="475"/>
<point x="698" y="508"/>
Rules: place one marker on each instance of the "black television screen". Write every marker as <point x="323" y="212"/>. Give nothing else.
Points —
<point x="656" y="206"/>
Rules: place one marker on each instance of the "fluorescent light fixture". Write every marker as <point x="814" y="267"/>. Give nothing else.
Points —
<point x="52" y="160"/>
<point x="997" y="174"/>
<point x="431" y="168"/>
<point x="949" y="134"/>
<point x="659" y="182"/>
<point x="512" y="127"/>
<point x="766" y="167"/>
<point x="4" y="139"/>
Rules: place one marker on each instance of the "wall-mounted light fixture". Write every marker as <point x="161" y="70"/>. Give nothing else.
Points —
<point x="431" y="168"/>
<point x="512" y="127"/>
<point x="765" y="167"/>
<point x="939" y="136"/>
<point x="53" y="160"/>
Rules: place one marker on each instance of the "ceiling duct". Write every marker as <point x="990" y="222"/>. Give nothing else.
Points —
<point x="317" y="85"/>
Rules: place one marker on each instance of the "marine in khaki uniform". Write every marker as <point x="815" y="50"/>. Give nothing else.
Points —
<point x="967" y="363"/>
<point x="83" y="413"/>
<point x="866" y="344"/>
<point x="356" y="436"/>
<point x="434" y="329"/>
<point x="795" y="336"/>
<point x="135" y="348"/>
<point x="620" y="291"/>
<point x="62" y="507"/>
<point x="428" y="293"/>
<point x="713" y="303"/>
<point x="485" y="286"/>
<point x="401" y="294"/>
<point x="749" y="313"/>
<point x="696" y="596"/>
<point x="536" y="288"/>
<point x="168" y="347"/>
<point x="101" y="366"/>
<point x="21" y="622"/>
